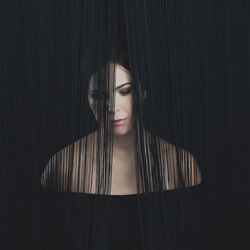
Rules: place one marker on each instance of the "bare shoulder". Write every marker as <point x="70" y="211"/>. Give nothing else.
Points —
<point x="171" y="155"/>
<point x="56" y="172"/>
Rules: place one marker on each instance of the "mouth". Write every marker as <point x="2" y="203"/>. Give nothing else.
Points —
<point x="119" y="122"/>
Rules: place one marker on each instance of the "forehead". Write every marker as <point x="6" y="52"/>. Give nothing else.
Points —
<point x="121" y="76"/>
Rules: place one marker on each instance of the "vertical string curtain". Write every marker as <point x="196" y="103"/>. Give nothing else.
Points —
<point x="188" y="65"/>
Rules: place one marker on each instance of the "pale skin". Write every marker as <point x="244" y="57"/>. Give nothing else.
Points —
<point x="123" y="161"/>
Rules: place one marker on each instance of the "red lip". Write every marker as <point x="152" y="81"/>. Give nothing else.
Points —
<point x="118" y="120"/>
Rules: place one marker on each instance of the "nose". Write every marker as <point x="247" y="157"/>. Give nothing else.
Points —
<point x="109" y="106"/>
<point x="112" y="106"/>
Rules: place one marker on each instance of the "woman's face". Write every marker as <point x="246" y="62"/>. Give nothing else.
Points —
<point x="120" y="114"/>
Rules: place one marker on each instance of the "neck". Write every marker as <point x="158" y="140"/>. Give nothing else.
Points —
<point x="124" y="143"/>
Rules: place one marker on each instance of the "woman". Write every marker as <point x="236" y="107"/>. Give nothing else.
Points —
<point x="76" y="167"/>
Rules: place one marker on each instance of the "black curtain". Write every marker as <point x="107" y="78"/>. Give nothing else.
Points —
<point x="193" y="59"/>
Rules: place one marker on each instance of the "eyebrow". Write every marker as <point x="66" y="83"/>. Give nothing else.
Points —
<point x="126" y="83"/>
<point x="123" y="85"/>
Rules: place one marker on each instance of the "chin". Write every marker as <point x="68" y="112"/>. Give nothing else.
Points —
<point x="119" y="131"/>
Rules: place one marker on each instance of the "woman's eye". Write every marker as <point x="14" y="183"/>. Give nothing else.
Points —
<point x="125" y="92"/>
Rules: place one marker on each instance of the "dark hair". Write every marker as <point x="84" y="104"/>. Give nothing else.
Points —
<point x="107" y="49"/>
<point x="89" y="63"/>
<point x="122" y="56"/>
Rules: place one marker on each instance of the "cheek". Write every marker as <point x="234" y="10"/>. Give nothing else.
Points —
<point x="90" y="103"/>
<point x="93" y="105"/>
<point x="128" y="105"/>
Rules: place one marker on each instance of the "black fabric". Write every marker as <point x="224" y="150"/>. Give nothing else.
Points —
<point x="123" y="217"/>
